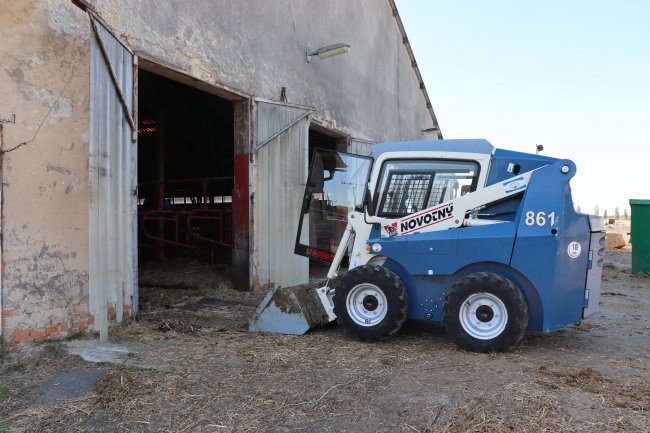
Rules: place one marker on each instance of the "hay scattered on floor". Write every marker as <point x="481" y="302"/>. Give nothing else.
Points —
<point x="516" y="407"/>
<point x="219" y="378"/>
<point x="177" y="326"/>
<point x="634" y="396"/>
<point x="121" y="386"/>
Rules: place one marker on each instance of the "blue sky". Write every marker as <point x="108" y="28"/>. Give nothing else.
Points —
<point x="573" y="76"/>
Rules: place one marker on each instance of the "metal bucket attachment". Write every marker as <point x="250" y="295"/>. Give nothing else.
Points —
<point x="291" y="310"/>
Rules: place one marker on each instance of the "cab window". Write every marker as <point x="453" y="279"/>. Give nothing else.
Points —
<point x="408" y="186"/>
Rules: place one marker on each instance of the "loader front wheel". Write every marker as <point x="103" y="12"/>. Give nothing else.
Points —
<point x="485" y="312"/>
<point x="370" y="302"/>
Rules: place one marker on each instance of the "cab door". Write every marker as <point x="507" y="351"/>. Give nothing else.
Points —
<point x="336" y="185"/>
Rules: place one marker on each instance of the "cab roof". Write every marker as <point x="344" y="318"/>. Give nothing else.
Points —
<point x="474" y="145"/>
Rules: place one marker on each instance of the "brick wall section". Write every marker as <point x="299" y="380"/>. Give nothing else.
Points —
<point x="51" y="332"/>
<point x="25" y="336"/>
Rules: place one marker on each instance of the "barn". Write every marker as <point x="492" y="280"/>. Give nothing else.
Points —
<point x="135" y="131"/>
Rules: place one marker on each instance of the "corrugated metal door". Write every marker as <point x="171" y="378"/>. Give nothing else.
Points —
<point x="280" y="171"/>
<point x="112" y="178"/>
<point x="360" y="147"/>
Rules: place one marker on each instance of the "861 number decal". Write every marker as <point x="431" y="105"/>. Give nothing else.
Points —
<point x="539" y="218"/>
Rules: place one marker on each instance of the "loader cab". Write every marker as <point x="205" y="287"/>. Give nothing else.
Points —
<point x="412" y="176"/>
<point x="407" y="186"/>
<point x="401" y="177"/>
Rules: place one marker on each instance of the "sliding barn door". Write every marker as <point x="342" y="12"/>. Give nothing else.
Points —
<point x="280" y="172"/>
<point x="112" y="178"/>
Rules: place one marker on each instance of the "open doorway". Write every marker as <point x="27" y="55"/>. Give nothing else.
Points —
<point x="319" y="140"/>
<point x="185" y="183"/>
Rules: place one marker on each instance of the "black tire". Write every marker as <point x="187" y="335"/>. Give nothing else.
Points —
<point x="381" y="303"/>
<point x="473" y="313"/>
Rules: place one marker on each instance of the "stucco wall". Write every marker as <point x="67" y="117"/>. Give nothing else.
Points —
<point x="259" y="47"/>
<point x="44" y="50"/>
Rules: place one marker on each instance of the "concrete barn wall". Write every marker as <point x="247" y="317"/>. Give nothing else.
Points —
<point x="258" y="46"/>
<point x="45" y="195"/>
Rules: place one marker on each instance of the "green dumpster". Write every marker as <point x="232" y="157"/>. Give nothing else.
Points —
<point x="640" y="235"/>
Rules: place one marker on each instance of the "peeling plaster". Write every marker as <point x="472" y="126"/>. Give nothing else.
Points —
<point x="62" y="109"/>
<point x="34" y="60"/>
<point x="41" y="278"/>
<point x="61" y="19"/>
<point x="45" y="227"/>
<point x="57" y="169"/>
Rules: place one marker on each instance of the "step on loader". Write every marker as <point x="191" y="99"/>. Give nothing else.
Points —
<point x="481" y="240"/>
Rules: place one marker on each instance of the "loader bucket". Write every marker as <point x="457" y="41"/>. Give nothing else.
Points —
<point x="291" y="310"/>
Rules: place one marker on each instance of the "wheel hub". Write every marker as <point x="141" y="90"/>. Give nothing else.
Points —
<point x="484" y="313"/>
<point x="483" y="316"/>
<point x="366" y="304"/>
<point x="370" y="303"/>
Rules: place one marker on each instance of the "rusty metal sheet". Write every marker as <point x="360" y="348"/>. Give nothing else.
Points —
<point x="111" y="180"/>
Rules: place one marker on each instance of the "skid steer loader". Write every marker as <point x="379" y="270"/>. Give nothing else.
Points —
<point x="482" y="240"/>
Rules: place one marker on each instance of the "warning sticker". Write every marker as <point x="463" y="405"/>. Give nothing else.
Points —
<point x="573" y="250"/>
<point x="391" y="229"/>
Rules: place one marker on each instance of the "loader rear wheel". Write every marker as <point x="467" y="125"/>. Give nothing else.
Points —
<point x="485" y="312"/>
<point x="370" y="302"/>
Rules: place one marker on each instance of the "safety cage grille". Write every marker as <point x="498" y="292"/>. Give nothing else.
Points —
<point x="407" y="192"/>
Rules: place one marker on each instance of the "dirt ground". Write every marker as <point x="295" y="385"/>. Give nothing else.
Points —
<point x="194" y="368"/>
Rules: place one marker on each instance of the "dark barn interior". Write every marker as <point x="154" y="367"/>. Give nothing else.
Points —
<point x="318" y="140"/>
<point x="185" y="172"/>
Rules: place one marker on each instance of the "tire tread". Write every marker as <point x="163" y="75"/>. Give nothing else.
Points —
<point x="383" y="278"/>
<point x="509" y="294"/>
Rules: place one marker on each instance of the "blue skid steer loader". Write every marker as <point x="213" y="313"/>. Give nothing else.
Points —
<point x="482" y="240"/>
